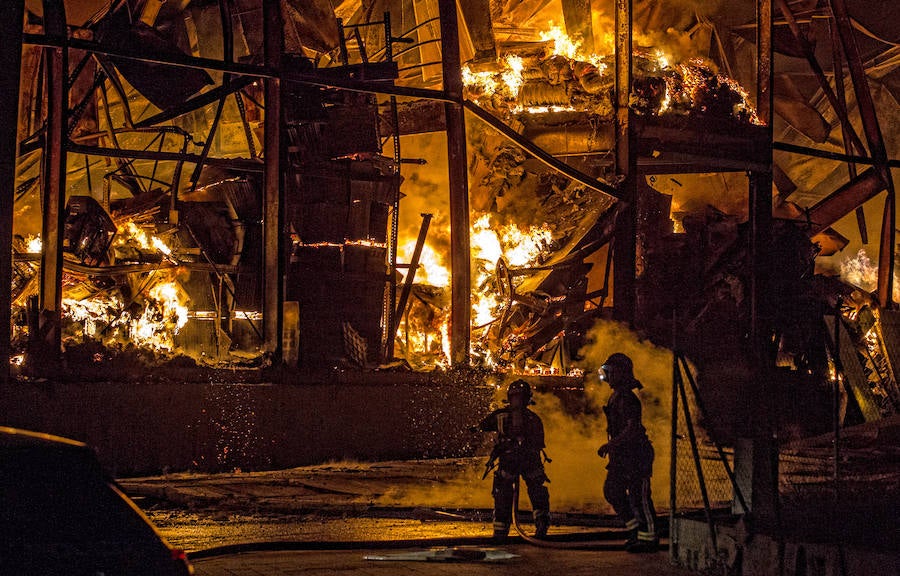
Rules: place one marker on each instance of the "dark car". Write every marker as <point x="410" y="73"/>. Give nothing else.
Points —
<point x="61" y="513"/>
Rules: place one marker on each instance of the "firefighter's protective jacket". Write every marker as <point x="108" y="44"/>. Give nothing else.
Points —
<point x="520" y="438"/>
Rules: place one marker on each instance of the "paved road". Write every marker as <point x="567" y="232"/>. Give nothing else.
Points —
<point x="331" y="517"/>
<point x="529" y="561"/>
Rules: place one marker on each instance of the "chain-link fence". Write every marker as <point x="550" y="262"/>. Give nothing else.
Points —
<point x="701" y="470"/>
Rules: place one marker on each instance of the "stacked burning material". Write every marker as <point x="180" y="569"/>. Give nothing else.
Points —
<point x="555" y="76"/>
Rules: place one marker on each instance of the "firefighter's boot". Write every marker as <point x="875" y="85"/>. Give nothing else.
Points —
<point x="541" y="523"/>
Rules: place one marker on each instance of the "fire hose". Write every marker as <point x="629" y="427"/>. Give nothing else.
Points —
<point x="589" y="544"/>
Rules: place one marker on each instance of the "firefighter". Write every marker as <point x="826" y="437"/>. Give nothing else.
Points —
<point x="630" y="453"/>
<point x="517" y="453"/>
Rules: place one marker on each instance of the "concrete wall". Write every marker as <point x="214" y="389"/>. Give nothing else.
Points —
<point x="147" y="427"/>
<point x="741" y="554"/>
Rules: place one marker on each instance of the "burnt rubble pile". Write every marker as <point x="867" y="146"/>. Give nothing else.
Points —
<point x="557" y="83"/>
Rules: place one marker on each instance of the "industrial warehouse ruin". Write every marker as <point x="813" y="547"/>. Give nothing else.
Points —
<point x="329" y="208"/>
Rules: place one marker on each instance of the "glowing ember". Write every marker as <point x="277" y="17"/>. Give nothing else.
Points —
<point x="94" y="314"/>
<point x="512" y="76"/>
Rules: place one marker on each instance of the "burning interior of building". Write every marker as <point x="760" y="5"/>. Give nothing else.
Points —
<point x="158" y="203"/>
<point x="418" y="185"/>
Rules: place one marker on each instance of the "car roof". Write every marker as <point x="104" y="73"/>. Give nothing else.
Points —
<point x="18" y="438"/>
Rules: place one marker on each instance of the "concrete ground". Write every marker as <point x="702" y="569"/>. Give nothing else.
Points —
<point x="528" y="561"/>
<point x="358" y="517"/>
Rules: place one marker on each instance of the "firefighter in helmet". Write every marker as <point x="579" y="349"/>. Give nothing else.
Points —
<point x="630" y="453"/>
<point x="517" y="453"/>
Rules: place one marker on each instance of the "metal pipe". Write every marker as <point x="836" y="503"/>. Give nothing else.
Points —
<point x="542" y="154"/>
<point x="411" y="274"/>
<point x="236" y="163"/>
<point x="673" y="449"/>
<point x="807" y="151"/>
<point x="707" y="508"/>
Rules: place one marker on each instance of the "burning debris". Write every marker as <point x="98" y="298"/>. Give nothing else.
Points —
<point x="556" y="76"/>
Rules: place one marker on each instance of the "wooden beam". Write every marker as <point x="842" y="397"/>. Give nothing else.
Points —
<point x="845" y="200"/>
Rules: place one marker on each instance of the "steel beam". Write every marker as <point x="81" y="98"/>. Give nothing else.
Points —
<point x="477" y="15"/>
<point x="837" y="66"/>
<point x="48" y="341"/>
<point x="760" y="194"/>
<point x="540" y="153"/>
<point x="762" y="457"/>
<point x="273" y="193"/>
<point x="844" y="200"/>
<point x="11" y="64"/>
<point x="877" y="149"/>
<point x="625" y="240"/>
<point x="237" y="68"/>
<point x="460" y="250"/>
<point x="809" y="53"/>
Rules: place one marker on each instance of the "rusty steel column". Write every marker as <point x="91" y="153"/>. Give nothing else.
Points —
<point x="759" y="454"/>
<point x="877" y="149"/>
<point x="625" y="239"/>
<point x="48" y="341"/>
<point x="760" y="197"/>
<point x="11" y="64"/>
<point x="460" y="251"/>
<point x="273" y="236"/>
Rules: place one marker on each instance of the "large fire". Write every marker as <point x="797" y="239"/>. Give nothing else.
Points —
<point x="425" y="339"/>
<point x="152" y="315"/>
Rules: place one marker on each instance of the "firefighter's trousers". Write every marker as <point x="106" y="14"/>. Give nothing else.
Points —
<point x="538" y="494"/>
